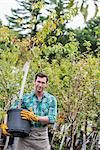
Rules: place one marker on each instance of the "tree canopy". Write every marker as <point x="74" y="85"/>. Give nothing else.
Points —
<point x="69" y="57"/>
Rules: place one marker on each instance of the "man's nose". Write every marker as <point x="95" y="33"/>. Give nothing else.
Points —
<point x="40" y="84"/>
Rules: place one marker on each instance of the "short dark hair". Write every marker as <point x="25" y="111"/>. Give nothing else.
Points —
<point x="41" y="75"/>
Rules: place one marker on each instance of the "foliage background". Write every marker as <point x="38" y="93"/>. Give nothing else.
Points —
<point x="69" y="57"/>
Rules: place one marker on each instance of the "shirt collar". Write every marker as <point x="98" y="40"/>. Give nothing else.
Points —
<point x="44" y="94"/>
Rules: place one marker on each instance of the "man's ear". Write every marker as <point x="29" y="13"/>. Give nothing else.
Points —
<point x="34" y="83"/>
<point x="47" y="84"/>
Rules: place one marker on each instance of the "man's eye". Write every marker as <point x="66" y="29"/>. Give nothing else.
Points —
<point x="43" y="82"/>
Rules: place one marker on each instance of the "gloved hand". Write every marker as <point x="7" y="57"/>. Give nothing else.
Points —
<point x="4" y="128"/>
<point x="29" y="115"/>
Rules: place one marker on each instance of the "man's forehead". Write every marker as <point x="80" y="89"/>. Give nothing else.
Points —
<point x="41" y="79"/>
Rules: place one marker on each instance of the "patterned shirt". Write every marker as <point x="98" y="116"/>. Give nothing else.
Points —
<point x="47" y="106"/>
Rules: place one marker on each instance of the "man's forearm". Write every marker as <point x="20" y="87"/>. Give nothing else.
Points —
<point x="43" y="119"/>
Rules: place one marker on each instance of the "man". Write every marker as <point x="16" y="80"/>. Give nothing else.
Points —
<point x="40" y="108"/>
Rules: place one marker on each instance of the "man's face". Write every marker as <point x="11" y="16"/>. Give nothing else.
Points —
<point x="40" y="84"/>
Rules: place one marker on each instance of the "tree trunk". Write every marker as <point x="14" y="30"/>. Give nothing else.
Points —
<point x="93" y="141"/>
<point x="86" y="127"/>
<point x="73" y="130"/>
<point x="85" y="134"/>
<point x="84" y="142"/>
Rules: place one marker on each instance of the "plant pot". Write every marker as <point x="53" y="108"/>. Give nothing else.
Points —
<point x="1" y="140"/>
<point x="1" y="144"/>
<point x="17" y="126"/>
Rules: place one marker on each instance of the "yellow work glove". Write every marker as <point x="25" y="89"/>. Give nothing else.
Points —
<point x="4" y="128"/>
<point x="29" y="115"/>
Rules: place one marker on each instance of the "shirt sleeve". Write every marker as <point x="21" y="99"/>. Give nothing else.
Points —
<point x="24" y="102"/>
<point x="15" y="105"/>
<point x="52" y="110"/>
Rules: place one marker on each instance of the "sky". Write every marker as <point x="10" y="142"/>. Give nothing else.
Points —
<point x="6" y="5"/>
<point x="5" y="8"/>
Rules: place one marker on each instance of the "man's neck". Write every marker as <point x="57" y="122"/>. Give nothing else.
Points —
<point x="39" y="95"/>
